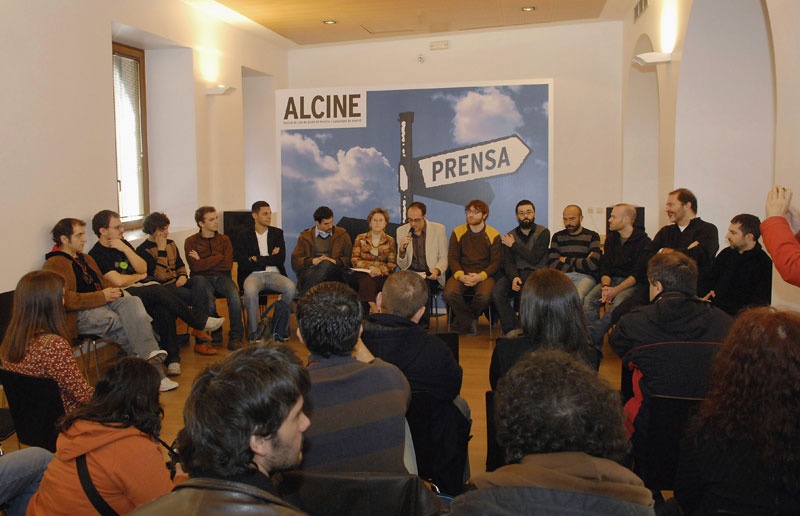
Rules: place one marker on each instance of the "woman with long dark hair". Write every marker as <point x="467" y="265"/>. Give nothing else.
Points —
<point x="36" y="340"/>
<point x="552" y="317"/>
<point x="742" y="451"/>
<point x="116" y="435"/>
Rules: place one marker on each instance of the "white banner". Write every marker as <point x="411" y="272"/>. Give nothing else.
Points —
<point x="321" y="108"/>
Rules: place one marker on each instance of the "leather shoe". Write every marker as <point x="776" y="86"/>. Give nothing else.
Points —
<point x="204" y="349"/>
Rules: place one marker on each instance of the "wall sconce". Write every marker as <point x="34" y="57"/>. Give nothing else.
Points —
<point x="649" y="58"/>
<point x="219" y="89"/>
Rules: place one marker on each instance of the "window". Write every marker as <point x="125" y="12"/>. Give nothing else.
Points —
<point x="131" y="132"/>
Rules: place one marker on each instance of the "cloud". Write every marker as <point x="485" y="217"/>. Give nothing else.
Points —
<point x="485" y="115"/>
<point x="352" y="182"/>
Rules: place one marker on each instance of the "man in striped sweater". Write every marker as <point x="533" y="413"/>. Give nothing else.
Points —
<point x="357" y="403"/>
<point x="576" y="252"/>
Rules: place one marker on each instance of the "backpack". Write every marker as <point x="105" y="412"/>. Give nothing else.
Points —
<point x="277" y="326"/>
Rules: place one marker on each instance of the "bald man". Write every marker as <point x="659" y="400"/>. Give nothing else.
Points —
<point x="623" y="271"/>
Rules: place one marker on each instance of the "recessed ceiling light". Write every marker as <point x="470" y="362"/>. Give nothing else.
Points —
<point x="529" y="9"/>
<point x="329" y="22"/>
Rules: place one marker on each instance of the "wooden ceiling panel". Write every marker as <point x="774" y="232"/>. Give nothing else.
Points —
<point x="301" y="20"/>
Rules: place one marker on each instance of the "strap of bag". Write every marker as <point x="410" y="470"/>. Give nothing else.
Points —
<point x="98" y="503"/>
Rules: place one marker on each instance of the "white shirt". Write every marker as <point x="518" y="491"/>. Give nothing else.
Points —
<point x="263" y="250"/>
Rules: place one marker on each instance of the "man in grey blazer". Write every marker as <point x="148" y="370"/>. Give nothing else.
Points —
<point x="422" y="247"/>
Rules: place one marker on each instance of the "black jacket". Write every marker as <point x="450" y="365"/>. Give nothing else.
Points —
<point x="705" y="233"/>
<point x="245" y="245"/>
<point x="424" y="359"/>
<point x="628" y="259"/>
<point x="741" y="280"/>
<point x="671" y="317"/>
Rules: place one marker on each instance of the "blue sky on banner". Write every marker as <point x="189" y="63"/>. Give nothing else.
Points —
<point x="353" y="170"/>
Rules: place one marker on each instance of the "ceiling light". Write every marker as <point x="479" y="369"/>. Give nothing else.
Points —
<point x="329" y="22"/>
<point x="528" y="9"/>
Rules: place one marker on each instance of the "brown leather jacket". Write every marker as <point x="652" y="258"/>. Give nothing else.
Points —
<point x="207" y="496"/>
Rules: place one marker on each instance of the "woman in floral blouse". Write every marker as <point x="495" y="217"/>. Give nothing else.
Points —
<point x="375" y="252"/>
<point x="35" y="342"/>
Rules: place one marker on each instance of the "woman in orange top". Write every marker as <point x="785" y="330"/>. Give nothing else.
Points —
<point x="36" y="343"/>
<point x="376" y="252"/>
<point x="116" y="434"/>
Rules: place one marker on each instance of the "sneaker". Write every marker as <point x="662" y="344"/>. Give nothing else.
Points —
<point x="204" y="349"/>
<point x="174" y="369"/>
<point x="157" y="356"/>
<point x="213" y="323"/>
<point x="167" y="385"/>
<point x="233" y="345"/>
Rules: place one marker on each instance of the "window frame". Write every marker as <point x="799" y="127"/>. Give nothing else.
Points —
<point x="138" y="55"/>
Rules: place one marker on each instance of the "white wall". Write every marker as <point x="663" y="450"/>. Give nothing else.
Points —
<point x="725" y="131"/>
<point x="57" y="156"/>
<point x="583" y="61"/>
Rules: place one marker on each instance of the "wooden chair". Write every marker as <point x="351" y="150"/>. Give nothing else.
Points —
<point x="35" y="405"/>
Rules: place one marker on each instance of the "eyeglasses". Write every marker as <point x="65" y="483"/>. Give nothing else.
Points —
<point x="120" y="227"/>
<point x="528" y="212"/>
<point x="414" y="221"/>
<point x="473" y="212"/>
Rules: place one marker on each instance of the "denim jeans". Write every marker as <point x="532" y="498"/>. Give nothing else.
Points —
<point x="584" y="283"/>
<point x="262" y="280"/>
<point x="124" y="321"/>
<point x="591" y="306"/>
<point x="225" y="287"/>
<point x="20" y="474"/>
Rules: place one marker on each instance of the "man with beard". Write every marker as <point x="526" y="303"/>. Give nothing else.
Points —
<point x="688" y="234"/>
<point x="576" y="251"/>
<point x="244" y="422"/>
<point x="524" y="251"/>
<point x="742" y="273"/>
<point x="474" y="257"/>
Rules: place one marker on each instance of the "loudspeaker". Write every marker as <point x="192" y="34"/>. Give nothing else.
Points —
<point x="233" y="221"/>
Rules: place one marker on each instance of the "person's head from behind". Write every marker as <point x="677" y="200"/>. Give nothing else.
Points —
<point x="126" y="395"/>
<point x="329" y="319"/>
<point x="405" y="295"/>
<point x="549" y="402"/>
<point x="38" y="309"/>
<point x="551" y="313"/>
<point x="754" y="391"/>
<point x="245" y="412"/>
<point x="672" y="272"/>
